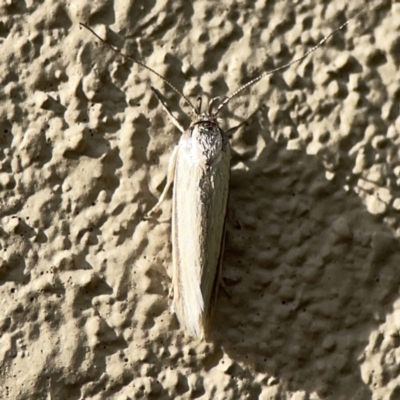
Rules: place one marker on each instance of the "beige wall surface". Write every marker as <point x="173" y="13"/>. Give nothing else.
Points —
<point x="312" y="257"/>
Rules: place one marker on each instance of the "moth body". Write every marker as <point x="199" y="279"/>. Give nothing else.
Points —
<point x="200" y="196"/>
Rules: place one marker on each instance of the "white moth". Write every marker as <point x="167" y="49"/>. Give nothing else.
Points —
<point x="200" y="169"/>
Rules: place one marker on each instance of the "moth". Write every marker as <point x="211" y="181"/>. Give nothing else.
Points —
<point x="200" y="169"/>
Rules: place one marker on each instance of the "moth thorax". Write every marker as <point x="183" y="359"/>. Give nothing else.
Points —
<point x="208" y="141"/>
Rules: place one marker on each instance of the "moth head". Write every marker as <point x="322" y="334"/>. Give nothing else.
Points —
<point x="211" y="113"/>
<point x="205" y="117"/>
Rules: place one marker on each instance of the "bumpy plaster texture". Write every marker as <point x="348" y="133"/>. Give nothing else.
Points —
<point x="312" y="261"/>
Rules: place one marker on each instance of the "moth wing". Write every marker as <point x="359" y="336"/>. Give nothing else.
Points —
<point x="198" y="226"/>
<point x="214" y="239"/>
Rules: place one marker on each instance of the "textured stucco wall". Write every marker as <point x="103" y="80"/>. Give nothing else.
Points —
<point x="312" y="260"/>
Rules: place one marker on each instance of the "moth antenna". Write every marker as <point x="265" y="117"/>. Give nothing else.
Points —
<point x="199" y="103"/>
<point x="297" y="60"/>
<point x="142" y="65"/>
<point x="211" y="102"/>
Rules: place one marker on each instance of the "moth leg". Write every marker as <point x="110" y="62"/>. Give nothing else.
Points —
<point x="171" y="299"/>
<point x="170" y="178"/>
<point x="220" y="278"/>
<point x="225" y="288"/>
<point x="174" y="120"/>
<point x="233" y="219"/>
<point x="230" y="131"/>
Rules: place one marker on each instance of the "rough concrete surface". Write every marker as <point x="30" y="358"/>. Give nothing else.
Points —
<point x="312" y="261"/>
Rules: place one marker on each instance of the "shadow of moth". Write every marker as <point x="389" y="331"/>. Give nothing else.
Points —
<point x="200" y="169"/>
